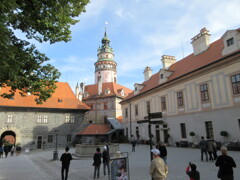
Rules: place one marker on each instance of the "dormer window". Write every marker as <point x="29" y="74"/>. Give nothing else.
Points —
<point x="136" y="89"/>
<point x="161" y="76"/>
<point x="230" y="42"/>
<point x="107" y="91"/>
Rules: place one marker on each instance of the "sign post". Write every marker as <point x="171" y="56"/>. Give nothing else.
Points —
<point x="147" y="119"/>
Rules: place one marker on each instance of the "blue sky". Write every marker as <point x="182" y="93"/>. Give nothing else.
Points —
<point x="141" y="31"/>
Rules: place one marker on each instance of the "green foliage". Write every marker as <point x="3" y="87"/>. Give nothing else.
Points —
<point x="192" y="133"/>
<point x="22" y="66"/>
<point x="224" y="133"/>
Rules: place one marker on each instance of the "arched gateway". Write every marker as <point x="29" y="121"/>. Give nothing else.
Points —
<point x="11" y="135"/>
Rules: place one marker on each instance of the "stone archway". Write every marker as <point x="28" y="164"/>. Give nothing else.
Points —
<point x="9" y="137"/>
<point x="10" y="133"/>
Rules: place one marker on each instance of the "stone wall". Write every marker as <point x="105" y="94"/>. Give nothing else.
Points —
<point x="29" y="132"/>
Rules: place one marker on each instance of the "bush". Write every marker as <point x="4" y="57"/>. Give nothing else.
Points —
<point x="192" y="133"/>
<point x="224" y="133"/>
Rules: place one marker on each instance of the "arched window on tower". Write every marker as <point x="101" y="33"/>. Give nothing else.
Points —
<point x="115" y="79"/>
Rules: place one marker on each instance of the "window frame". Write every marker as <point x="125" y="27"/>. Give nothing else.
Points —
<point x="9" y="119"/>
<point x="50" y="138"/>
<point x="180" y="101"/>
<point x="183" y="130"/>
<point x="230" y="41"/>
<point x="136" y="110"/>
<point x="126" y="112"/>
<point x="204" y="92"/>
<point x="163" y="103"/>
<point x="148" y="107"/>
<point x="235" y="84"/>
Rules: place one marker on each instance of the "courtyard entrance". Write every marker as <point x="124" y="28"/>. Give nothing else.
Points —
<point x="8" y="137"/>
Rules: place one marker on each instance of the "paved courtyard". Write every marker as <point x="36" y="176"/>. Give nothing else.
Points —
<point x="38" y="165"/>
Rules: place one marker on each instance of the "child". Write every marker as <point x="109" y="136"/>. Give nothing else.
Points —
<point x="193" y="174"/>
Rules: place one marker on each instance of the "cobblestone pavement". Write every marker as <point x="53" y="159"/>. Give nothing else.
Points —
<point x="38" y="165"/>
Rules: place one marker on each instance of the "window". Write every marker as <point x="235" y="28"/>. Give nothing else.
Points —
<point x="204" y="92"/>
<point x="126" y="112"/>
<point x="136" y="110"/>
<point x="135" y="88"/>
<point x="163" y="103"/>
<point x="180" y="98"/>
<point x="50" y="138"/>
<point x="105" y="105"/>
<point x="230" y="42"/>
<point x="42" y="119"/>
<point x="183" y="130"/>
<point x="45" y="119"/>
<point x="67" y="119"/>
<point x="148" y="107"/>
<point x="236" y="83"/>
<point x="209" y="129"/>
<point x="72" y="119"/>
<point x="39" y="119"/>
<point x="10" y="119"/>
<point x="69" y="137"/>
<point x="161" y="76"/>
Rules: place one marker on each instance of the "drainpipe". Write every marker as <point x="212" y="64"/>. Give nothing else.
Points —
<point x="130" y="119"/>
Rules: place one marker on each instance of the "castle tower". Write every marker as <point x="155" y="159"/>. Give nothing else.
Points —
<point x="105" y="67"/>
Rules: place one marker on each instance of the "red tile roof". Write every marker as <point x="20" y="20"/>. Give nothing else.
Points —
<point x="185" y="66"/>
<point x="119" y="118"/>
<point x="63" y="93"/>
<point x="115" y="90"/>
<point x="93" y="129"/>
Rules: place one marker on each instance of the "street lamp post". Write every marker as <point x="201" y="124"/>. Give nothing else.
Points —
<point x="55" y="153"/>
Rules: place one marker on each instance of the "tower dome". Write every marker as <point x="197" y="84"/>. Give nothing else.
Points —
<point x="105" y="67"/>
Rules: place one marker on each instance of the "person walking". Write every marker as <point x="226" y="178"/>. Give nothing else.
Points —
<point x="210" y="148"/>
<point x="6" y="150"/>
<point x="163" y="151"/>
<point x="158" y="168"/>
<point x="203" y="146"/>
<point x="133" y="145"/>
<point x="65" y="158"/>
<point x="1" y="152"/>
<point x="106" y="158"/>
<point x="214" y="149"/>
<point x="226" y="165"/>
<point x="12" y="150"/>
<point x="97" y="162"/>
<point x="193" y="173"/>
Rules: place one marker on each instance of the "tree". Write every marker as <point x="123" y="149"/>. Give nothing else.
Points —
<point x="22" y="66"/>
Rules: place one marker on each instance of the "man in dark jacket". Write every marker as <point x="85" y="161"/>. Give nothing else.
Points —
<point x="97" y="162"/>
<point x="105" y="156"/>
<point x="225" y="164"/>
<point x="193" y="174"/>
<point x="203" y="146"/>
<point x="65" y="158"/>
<point x="163" y="151"/>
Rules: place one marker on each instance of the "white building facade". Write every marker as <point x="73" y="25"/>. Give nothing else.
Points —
<point x="200" y="94"/>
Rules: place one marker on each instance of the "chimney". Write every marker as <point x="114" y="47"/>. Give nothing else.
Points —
<point x="80" y="96"/>
<point x="82" y="85"/>
<point x="201" y="41"/>
<point x="167" y="61"/>
<point x="99" y="86"/>
<point x="77" y="91"/>
<point x="147" y="73"/>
